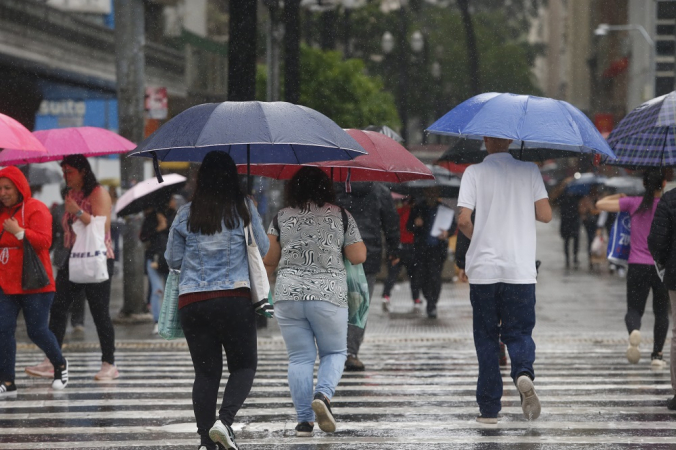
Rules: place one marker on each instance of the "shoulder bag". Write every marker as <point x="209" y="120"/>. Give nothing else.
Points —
<point x="169" y="324"/>
<point x="357" y="288"/>
<point x="258" y="277"/>
<point x="87" y="263"/>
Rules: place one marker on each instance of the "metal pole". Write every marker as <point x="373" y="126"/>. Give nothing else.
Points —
<point x="130" y="71"/>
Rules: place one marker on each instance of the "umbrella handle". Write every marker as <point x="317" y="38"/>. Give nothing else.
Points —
<point x="156" y="166"/>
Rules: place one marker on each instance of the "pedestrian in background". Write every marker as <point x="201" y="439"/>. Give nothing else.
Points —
<point x="406" y="258"/>
<point x="373" y="209"/>
<point x="23" y="217"/>
<point x="589" y="216"/>
<point x="154" y="235"/>
<point x="507" y="197"/>
<point x="642" y="276"/>
<point x="430" y="251"/>
<point x="207" y="244"/>
<point x="662" y="246"/>
<point x="86" y="198"/>
<point x="307" y="242"/>
<point x="569" y="210"/>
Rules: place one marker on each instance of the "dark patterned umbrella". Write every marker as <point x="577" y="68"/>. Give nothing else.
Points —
<point x="645" y="137"/>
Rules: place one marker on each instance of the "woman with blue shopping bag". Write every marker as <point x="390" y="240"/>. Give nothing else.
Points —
<point x="642" y="277"/>
<point x="207" y="244"/>
<point x="308" y="241"/>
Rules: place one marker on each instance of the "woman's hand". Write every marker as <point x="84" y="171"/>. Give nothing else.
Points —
<point x="12" y="226"/>
<point x="70" y="206"/>
<point x="418" y="222"/>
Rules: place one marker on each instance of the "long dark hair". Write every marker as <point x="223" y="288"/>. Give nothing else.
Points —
<point x="652" y="181"/>
<point x="218" y="196"/>
<point x="81" y="164"/>
<point x="309" y="185"/>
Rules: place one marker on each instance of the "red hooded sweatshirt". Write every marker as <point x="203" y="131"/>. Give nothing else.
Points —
<point x="34" y="217"/>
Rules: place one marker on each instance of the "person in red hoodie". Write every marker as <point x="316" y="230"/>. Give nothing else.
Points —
<point x="23" y="217"/>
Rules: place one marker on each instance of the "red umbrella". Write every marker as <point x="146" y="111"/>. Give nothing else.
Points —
<point x="61" y="142"/>
<point x="386" y="161"/>
<point x="15" y="135"/>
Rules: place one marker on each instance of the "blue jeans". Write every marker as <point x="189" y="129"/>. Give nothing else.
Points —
<point x="501" y="311"/>
<point x="308" y="326"/>
<point x="157" y="281"/>
<point x="36" y="313"/>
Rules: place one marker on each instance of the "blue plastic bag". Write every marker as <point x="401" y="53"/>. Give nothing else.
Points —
<point x="169" y="324"/>
<point x="619" y="240"/>
<point x="357" y="294"/>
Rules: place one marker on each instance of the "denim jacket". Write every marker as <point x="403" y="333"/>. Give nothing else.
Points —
<point x="212" y="263"/>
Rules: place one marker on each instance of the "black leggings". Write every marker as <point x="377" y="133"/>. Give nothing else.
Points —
<point x="640" y="279"/>
<point x="98" y="297"/>
<point x="210" y="326"/>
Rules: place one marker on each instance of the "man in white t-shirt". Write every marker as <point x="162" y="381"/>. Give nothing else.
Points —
<point x="507" y="196"/>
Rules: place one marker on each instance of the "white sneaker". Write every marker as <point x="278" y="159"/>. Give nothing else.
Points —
<point x="156" y="329"/>
<point x="633" y="353"/>
<point x="487" y="420"/>
<point x="657" y="363"/>
<point x="223" y="434"/>
<point x="530" y="403"/>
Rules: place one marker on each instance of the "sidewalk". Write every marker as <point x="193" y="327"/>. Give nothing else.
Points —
<point x="573" y="306"/>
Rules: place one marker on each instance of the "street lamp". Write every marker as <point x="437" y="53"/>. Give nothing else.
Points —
<point x="603" y="30"/>
<point x="387" y="43"/>
<point x="417" y="42"/>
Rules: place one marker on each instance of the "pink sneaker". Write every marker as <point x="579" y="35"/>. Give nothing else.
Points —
<point x="108" y="372"/>
<point x="42" y="370"/>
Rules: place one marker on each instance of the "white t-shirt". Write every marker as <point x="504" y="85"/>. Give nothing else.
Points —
<point x="503" y="192"/>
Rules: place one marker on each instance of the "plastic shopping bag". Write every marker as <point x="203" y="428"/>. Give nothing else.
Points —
<point x="87" y="263"/>
<point x="619" y="241"/>
<point x="169" y="324"/>
<point x="357" y="294"/>
<point x="599" y="246"/>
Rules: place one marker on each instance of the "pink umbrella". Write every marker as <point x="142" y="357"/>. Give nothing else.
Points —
<point x="15" y="135"/>
<point x="387" y="161"/>
<point x="61" y="142"/>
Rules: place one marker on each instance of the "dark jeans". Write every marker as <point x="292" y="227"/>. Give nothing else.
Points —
<point x="429" y="262"/>
<point x="576" y="247"/>
<point x="98" y="297"/>
<point x="210" y="326"/>
<point x="407" y="260"/>
<point x="501" y="312"/>
<point x="640" y="279"/>
<point x="35" y="312"/>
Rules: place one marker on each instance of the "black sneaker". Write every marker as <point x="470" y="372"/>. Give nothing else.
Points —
<point x="671" y="403"/>
<point x="7" y="391"/>
<point x="322" y="408"/>
<point x="60" y="377"/>
<point x="304" y="429"/>
<point x="432" y="313"/>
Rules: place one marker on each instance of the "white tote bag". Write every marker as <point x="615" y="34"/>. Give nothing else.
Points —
<point x="87" y="263"/>
<point x="258" y="277"/>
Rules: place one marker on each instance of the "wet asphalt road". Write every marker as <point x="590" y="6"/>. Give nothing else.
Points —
<point x="417" y="391"/>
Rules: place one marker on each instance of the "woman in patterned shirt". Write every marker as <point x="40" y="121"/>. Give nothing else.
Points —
<point x="308" y="241"/>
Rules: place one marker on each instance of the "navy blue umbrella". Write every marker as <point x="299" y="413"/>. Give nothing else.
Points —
<point x="532" y="122"/>
<point x="251" y="133"/>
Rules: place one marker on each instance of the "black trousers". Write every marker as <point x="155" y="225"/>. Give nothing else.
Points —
<point x="641" y="278"/>
<point x="210" y="326"/>
<point x="98" y="297"/>
<point x="429" y="262"/>
<point x="407" y="260"/>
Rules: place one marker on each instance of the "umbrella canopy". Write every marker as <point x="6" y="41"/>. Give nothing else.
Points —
<point x="15" y="135"/>
<point x="625" y="185"/>
<point x="448" y="184"/>
<point x="645" y="137"/>
<point x="149" y="193"/>
<point x="250" y="132"/>
<point x="473" y="151"/>
<point x="532" y="122"/>
<point x="583" y="184"/>
<point x="387" y="131"/>
<point x="61" y="142"/>
<point x="386" y="161"/>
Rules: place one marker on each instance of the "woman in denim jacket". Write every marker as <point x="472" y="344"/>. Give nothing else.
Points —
<point x="207" y="244"/>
